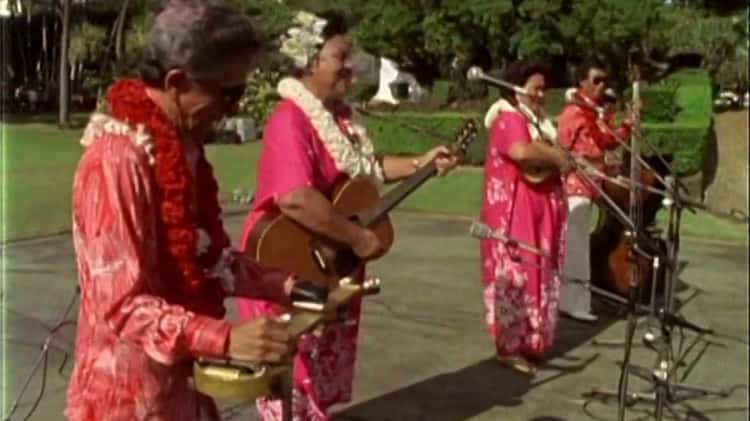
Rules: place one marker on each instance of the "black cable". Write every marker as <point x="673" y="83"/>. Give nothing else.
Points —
<point x="41" y="389"/>
<point x="590" y="414"/>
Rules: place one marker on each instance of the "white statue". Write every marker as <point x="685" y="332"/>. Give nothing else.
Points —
<point x="390" y="75"/>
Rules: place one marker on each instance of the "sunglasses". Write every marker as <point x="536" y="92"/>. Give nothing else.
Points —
<point x="230" y="94"/>
<point x="599" y="80"/>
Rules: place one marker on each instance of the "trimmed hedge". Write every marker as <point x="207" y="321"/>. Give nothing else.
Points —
<point x="391" y="137"/>
<point x="660" y="105"/>
<point x="686" y="142"/>
<point x="685" y="136"/>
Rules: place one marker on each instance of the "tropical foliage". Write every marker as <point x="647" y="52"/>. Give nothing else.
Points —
<point x="433" y="39"/>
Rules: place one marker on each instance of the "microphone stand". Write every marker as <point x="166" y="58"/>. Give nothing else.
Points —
<point x="633" y="228"/>
<point x="600" y="112"/>
<point x="664" y="394"/>
<point x="635" y="273"/>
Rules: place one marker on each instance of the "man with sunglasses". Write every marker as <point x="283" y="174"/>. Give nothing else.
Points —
<point x="590" y="134"/>
<point x="155" y="262"/>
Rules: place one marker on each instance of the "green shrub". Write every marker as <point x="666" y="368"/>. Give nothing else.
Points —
<point x="694" y="97"/>
<point x="260" y="96"/>
<point x="363" y="91"/>
<point x="403" y="133"/>
<point x="659" y="103"/>
<point x="686" y="143"/>
<point x="392" y="137"/>
<point x="687" y="135"/>
<point x="554" y="101"/>
<point x="442" y="93"/>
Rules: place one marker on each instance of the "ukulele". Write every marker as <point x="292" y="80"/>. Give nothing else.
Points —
<point x="537" y="173"/>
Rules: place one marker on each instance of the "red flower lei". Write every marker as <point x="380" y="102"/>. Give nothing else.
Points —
<point x="177" y="235"/>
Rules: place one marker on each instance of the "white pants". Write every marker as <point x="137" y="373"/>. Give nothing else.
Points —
<point x="575" y="298"/>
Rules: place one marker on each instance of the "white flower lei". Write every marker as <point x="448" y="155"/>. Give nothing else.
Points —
<point x="101" y="123"/>
<point x="548" y="128"/>
<point x="352" y="158"/>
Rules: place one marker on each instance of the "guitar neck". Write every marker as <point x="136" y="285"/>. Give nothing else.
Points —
<point x="391" y="199"/>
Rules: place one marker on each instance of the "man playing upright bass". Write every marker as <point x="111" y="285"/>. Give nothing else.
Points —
<point x="589" y="134"/>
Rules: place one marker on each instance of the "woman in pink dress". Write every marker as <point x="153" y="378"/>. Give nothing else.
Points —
<point x="521" y="287"/>
<point x="310" y="143"/>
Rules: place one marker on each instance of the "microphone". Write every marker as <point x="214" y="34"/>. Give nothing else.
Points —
<point x="476" y="73"/>
<point x="482" y="231"/>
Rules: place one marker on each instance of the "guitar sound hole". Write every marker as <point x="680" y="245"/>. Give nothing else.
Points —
<point x="339" y="261"/>
<point x="345" y="262"/>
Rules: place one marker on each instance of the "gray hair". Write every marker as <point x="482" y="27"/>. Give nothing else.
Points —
<point x="200" y="36"/>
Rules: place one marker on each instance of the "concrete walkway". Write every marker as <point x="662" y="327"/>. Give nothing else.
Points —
<point x="425" y="354"/>
<point x="729" y="189"/>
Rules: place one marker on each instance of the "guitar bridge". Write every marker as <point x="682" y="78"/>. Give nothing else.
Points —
<point x="320" y="260"/>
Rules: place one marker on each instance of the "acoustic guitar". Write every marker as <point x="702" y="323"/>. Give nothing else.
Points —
<point x="279" y="242"/>
<point x="240" y="380"/>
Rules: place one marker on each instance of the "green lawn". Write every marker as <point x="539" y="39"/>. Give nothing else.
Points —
<point x="39" y="162"/>
<point x="461" y="194"/>
<point x="38" y="165"/>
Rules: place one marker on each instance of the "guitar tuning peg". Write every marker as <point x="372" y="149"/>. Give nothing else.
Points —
<point x="371" y="286"/>
<point x="344" y="282"/>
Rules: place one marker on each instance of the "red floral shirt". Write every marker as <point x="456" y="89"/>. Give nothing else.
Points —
<point x="135" y="343"/>
<point x="579" y="132"/>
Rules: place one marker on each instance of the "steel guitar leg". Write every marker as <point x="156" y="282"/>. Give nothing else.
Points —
<point x="287" y="396"/>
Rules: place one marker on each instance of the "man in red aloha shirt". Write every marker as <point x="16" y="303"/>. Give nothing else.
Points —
<point x="154" y="260"/>
<point x="590" y="134"/>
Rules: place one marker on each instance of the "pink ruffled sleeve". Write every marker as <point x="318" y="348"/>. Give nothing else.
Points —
<point x="288" y="155"/>
<point x="114" y="234"/>
<point x="509" y="128"/>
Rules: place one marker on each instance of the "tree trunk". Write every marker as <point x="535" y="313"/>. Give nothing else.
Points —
<point x="64" y="86"/>
<point x="53" y="80"/>
<point x="46" y="59"/>
<point x="120" y="30"/>
<point x="18" y="37"/>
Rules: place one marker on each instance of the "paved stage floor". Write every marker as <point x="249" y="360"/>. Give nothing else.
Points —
<point x="424" y="352"/>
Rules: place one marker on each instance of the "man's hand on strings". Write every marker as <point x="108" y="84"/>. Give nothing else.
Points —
<point x="445" y="160"/>
<point x="565" y="162"/>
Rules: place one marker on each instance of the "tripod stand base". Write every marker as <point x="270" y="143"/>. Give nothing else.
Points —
<point x="663" y="395"/>
<point x="604" y="395"/>
<point x="677" y="389"/>
<point x="632" y="398"/>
